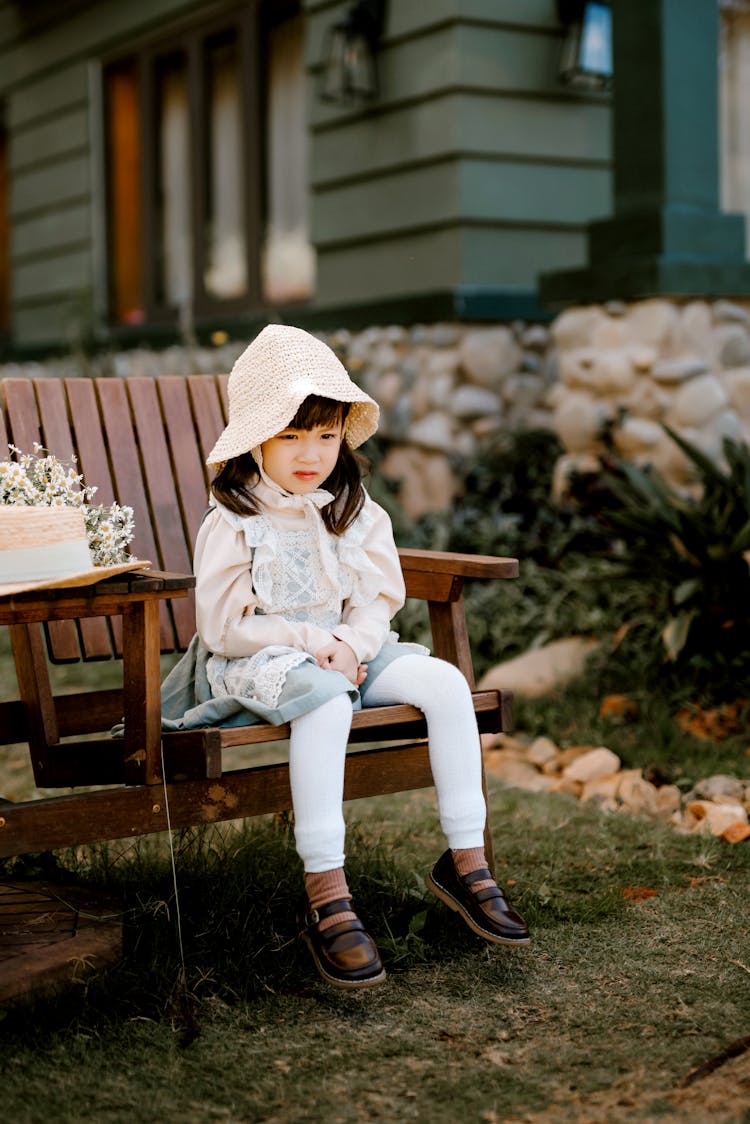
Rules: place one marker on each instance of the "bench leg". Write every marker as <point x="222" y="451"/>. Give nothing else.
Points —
<point x="141" y="692"/>
<point x="36" y="694"/>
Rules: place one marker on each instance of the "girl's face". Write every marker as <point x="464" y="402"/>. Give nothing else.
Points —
<point x="301" y="460"/>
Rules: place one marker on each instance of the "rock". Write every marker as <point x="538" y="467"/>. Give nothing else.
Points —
<point x="715" y="818"/>
<point x="524" y="390"/>
<point x="517" y="774"/>
<point x="577" y="367"/>
<point x="576" y="326"/>
<point x="603" y="790"/>
<point x="636" y="793"/>
<point x="637" y="435"/>
<point x="426" y="479"/>
<point x="733" y="345"/>
<point x="541" y="670"/>
<point x="668" y="458"/>
<point x="580" y="421"/>
<point x="443" y="362"/>
<point x="613" y="332"/>
<point x="719" y="787"/>
<point x="592" y="766"/>
<point x="439" y="390"/>
<point x="487" y="356"/>
<point x="535" y="338"/>
<point x="654" y="322"/>
<point x="697" y="401"/>
<point x="469" y="402"/>
<point x="647" y="399"/>
<point x="679" y="370"/>
<point x="728" y="311"/>
<point x="614" y="374"/>
<point x="668" y="801"/>
<point x="737" y="385"/>
<point x="433" y="431"/>
<point x="643" y="358"/>
<point x="694" y="334"/>
<point x="389" y="389"/>
<point x="443" y="335"/>
<point x="565" y="785"/>
<point x="541" y="752"/>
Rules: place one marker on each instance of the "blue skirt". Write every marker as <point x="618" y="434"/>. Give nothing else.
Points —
<point x="187" y="702"/>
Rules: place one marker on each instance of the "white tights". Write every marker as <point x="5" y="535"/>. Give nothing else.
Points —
<point x="317" y="750"/>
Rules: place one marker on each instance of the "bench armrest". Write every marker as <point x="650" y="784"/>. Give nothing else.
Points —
<point x="459" y="565"/>
<point x="437" y="577"/>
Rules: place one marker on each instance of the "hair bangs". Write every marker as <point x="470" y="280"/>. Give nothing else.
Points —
<point x="317" y="411"/>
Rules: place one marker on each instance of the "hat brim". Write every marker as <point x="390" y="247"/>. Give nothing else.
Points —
<point x="72" y="581"/>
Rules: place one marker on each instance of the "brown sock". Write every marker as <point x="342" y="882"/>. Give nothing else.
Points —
<point x="468" y="859"/>
<point x="328" y="886"/>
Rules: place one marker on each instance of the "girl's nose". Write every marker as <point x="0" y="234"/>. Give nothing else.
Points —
<point x="307" y="452"/>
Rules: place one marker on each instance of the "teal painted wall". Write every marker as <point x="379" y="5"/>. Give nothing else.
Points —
<point x="474" y="168"/>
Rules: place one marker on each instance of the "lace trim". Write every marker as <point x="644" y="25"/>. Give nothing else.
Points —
<point x="260" y="677"/>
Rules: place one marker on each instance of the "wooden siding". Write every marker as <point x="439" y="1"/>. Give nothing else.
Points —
<point x="472" y="143"/>
<point x="45" y="88"/>
<point x="473" y="153"/>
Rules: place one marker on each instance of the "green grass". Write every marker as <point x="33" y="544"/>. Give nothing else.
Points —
<point x="616" y="1000"/>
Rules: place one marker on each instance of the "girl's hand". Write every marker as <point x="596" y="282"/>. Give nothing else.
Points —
<point x="338" y="656"/>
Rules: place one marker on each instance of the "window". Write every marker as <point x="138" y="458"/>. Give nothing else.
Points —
<point x="735" y="111"/>
<point x="206" y="170"/>
<point x="4" y="231"/>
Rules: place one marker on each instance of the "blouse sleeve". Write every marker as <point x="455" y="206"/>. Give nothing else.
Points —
<point x="380" y="592"/>
<point x="225" y="603"/>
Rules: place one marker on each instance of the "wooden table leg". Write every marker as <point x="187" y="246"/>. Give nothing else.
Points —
<point x="36" y="693"/>
<point x="141" y="691"/>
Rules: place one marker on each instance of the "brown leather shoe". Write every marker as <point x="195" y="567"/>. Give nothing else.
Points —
<point x="345" y="954"/>
<point x="486" y="912"/>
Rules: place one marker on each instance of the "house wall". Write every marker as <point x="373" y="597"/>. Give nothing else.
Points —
<point x="48" y="92"/>
<point x="473" y="171"/>
<point x="474" y="168"/>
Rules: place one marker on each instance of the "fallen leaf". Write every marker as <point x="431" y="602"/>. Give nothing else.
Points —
<point x="713" y="724"/>
<point x="638" y="893"/>
<point x="618" y="706"/>
<point x="736" y="832"/>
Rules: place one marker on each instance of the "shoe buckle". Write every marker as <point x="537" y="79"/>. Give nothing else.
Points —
<point x="312" y="917"/>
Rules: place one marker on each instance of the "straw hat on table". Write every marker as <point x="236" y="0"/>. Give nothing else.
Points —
<point x="47" y="548"/>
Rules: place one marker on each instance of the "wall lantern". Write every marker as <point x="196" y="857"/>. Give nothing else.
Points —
<point x="350" y="71"/>
<point x="586" y="55"/>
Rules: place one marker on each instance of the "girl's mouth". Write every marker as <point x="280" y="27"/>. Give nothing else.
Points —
<point x="306" y="475"/>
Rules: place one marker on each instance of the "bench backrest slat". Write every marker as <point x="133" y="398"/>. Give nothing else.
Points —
<point x="161" y="490"/>
<point x="92" y="639"/>
<point x="36" y="413"/>
<point x="143" y="442"/>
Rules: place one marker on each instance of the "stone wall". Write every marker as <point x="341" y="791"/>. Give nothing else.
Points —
<point x="446" y="389"/>
<point x="630" y="368"/>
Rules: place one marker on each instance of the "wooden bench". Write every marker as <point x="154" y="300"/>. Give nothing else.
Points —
<point x="144" y="442"/>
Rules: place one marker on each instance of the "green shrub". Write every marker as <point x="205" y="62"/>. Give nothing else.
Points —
<point x="626" y="556"/>
<point x="694" y="545"/>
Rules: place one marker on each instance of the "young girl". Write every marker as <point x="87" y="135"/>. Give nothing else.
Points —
<point x="297" y="579"/>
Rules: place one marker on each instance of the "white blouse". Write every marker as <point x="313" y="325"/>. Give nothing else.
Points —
<point x="280" y="579"/>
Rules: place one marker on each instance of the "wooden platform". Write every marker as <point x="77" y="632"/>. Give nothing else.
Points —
<point x="52" y="936"/>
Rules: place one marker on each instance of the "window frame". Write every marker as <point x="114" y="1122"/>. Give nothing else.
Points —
<point x="191" y="41"/>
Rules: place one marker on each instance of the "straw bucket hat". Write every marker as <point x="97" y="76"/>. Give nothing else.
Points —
<point x="270" y="381"/>
<point x="46" y="548"/>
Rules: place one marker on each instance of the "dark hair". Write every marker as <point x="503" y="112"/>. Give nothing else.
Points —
<point x="233" y="484"/>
